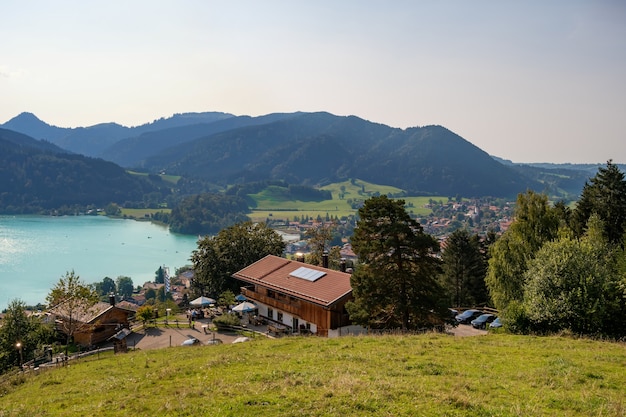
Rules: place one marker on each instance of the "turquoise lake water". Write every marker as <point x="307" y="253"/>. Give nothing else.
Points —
<point x="35" y="251"/>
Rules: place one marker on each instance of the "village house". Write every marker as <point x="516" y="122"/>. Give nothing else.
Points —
<point x="95" y="325"/>
<point x="298" y="297"/>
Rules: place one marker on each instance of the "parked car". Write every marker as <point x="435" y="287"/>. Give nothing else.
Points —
<point x="496" y="323"/>
<point x="481" y="321"/>
<point x="467" y="316"/>
<point x="191" y="342"/>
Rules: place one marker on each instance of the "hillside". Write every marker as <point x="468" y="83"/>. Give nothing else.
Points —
<point x="426" y="375"/>
<point x="133" y="151"/>
<point x="37" y="176"/>
<point x="319" y="148"/>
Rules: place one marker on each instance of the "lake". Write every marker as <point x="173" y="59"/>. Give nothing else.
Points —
<point x="35" y="251"/>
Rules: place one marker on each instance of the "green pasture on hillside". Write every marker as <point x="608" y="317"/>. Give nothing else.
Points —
<point x="142" y="213"/>
<point x="272" y="203"/>
<point x="395" y="375"/>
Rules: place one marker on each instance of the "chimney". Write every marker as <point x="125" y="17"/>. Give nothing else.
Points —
<point x="300" y="257"/>
<point x="112" y="299"/>
<point x="342" y="265"/>
<point x="325" y="259"/>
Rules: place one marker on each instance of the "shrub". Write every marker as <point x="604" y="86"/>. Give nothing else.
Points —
<point x="226" y="320"/>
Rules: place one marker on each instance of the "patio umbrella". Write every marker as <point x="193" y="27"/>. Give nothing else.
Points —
<point x="241" y="297"/>
<point x="202" y="301"/>
<point x="244" y="307"/>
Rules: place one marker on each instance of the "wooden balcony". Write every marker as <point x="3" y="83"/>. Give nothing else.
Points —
<point x="283" y="303"/>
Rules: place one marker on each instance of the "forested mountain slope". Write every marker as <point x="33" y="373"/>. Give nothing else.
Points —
<point x="36" y="177"/>
<point x="317" y="148"/>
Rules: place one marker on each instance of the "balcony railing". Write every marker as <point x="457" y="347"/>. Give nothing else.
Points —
<point x="281" y="302"/>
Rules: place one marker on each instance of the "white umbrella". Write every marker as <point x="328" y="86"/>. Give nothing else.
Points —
<point x="202" y="301"/>
<point x="244" y="307"/>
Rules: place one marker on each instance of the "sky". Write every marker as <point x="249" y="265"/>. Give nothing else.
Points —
<point x="528" y="81"/>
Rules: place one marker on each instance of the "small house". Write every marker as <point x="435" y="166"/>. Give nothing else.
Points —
<point x="94" y="324"/>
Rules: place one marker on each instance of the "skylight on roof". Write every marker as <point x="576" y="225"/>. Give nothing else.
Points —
<point x="308" y="274"/>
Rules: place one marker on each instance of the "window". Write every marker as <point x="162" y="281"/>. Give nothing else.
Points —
<point x="279" y="316"/>
<point x="270" y="313"/>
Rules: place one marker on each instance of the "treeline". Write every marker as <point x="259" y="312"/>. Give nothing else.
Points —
<point x="207" y="214"/>
<point x="557" y="269"/>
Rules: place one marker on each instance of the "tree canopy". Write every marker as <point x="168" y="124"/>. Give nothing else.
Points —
<point x="233" y="248"/>
<point x="69" y="299"/>
<point x="204" y="214"/>
<point x="464" y="269"/>
<point x="572" y="285"/>
<point x="395" y="285"/>
<point x="605" y="195"/>
<point x="535" y="223"/>
<point x="17" y="327"/>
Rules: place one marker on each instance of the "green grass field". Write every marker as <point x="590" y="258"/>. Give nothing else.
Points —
<point x="425" y="375"/>
<point x="272" y="203"/>
<point x="142" y="213"/>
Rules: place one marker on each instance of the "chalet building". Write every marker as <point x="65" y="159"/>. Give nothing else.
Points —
<point x="299" y="297"/>
<point x="95" y="325"/>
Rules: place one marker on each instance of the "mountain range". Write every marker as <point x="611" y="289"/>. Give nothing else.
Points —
<point x="300" y="148"/>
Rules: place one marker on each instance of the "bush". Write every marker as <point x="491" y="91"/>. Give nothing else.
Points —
<point x="227" y="320"/>
<point x="515" y="319"/>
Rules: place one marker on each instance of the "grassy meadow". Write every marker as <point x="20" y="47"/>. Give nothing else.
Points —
<point x="140" y="214"/>
<point x="272" y="203"/>
<point x="419" y="375"/>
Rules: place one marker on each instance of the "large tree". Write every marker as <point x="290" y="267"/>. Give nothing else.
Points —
<point x="70" y="299"/>
<point x="106" y="287"/>
<point x="395" y="284"/>
<point x="573" y="285"/>
<point x="219" y="257"/>
<point x="535" y="223"/>
<point x="18" y="327"/>
<point x="125" y="287"/>
<point x="319" y="238"/>
<point x="464" y="269"/>
<point x="605" y="195"/>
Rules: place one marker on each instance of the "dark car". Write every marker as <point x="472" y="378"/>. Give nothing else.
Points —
<point x="481" y="321"/>
<point x="467" y="316"/>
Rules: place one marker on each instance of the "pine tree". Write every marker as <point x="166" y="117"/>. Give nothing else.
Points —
<point x="395" y="284"/>
<point x="604" y="194"/>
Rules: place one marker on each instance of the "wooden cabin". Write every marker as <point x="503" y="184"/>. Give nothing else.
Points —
<point x="297" y="297"/>
<point x="95" y="324"/>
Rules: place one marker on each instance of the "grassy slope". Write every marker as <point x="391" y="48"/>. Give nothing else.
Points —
<point x="428" y="375"/>
<point x="274" y="205"/>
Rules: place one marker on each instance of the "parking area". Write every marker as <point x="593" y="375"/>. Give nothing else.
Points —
<point x="160" y="337"/>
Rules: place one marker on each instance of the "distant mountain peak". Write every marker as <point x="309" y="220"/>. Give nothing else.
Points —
<point x="25" y="117"/>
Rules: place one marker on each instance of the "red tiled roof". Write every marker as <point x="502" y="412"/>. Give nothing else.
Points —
<point x="274" y="273"/>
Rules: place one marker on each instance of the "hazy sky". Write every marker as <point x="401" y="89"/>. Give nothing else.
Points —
<point x="530" y="81"/>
